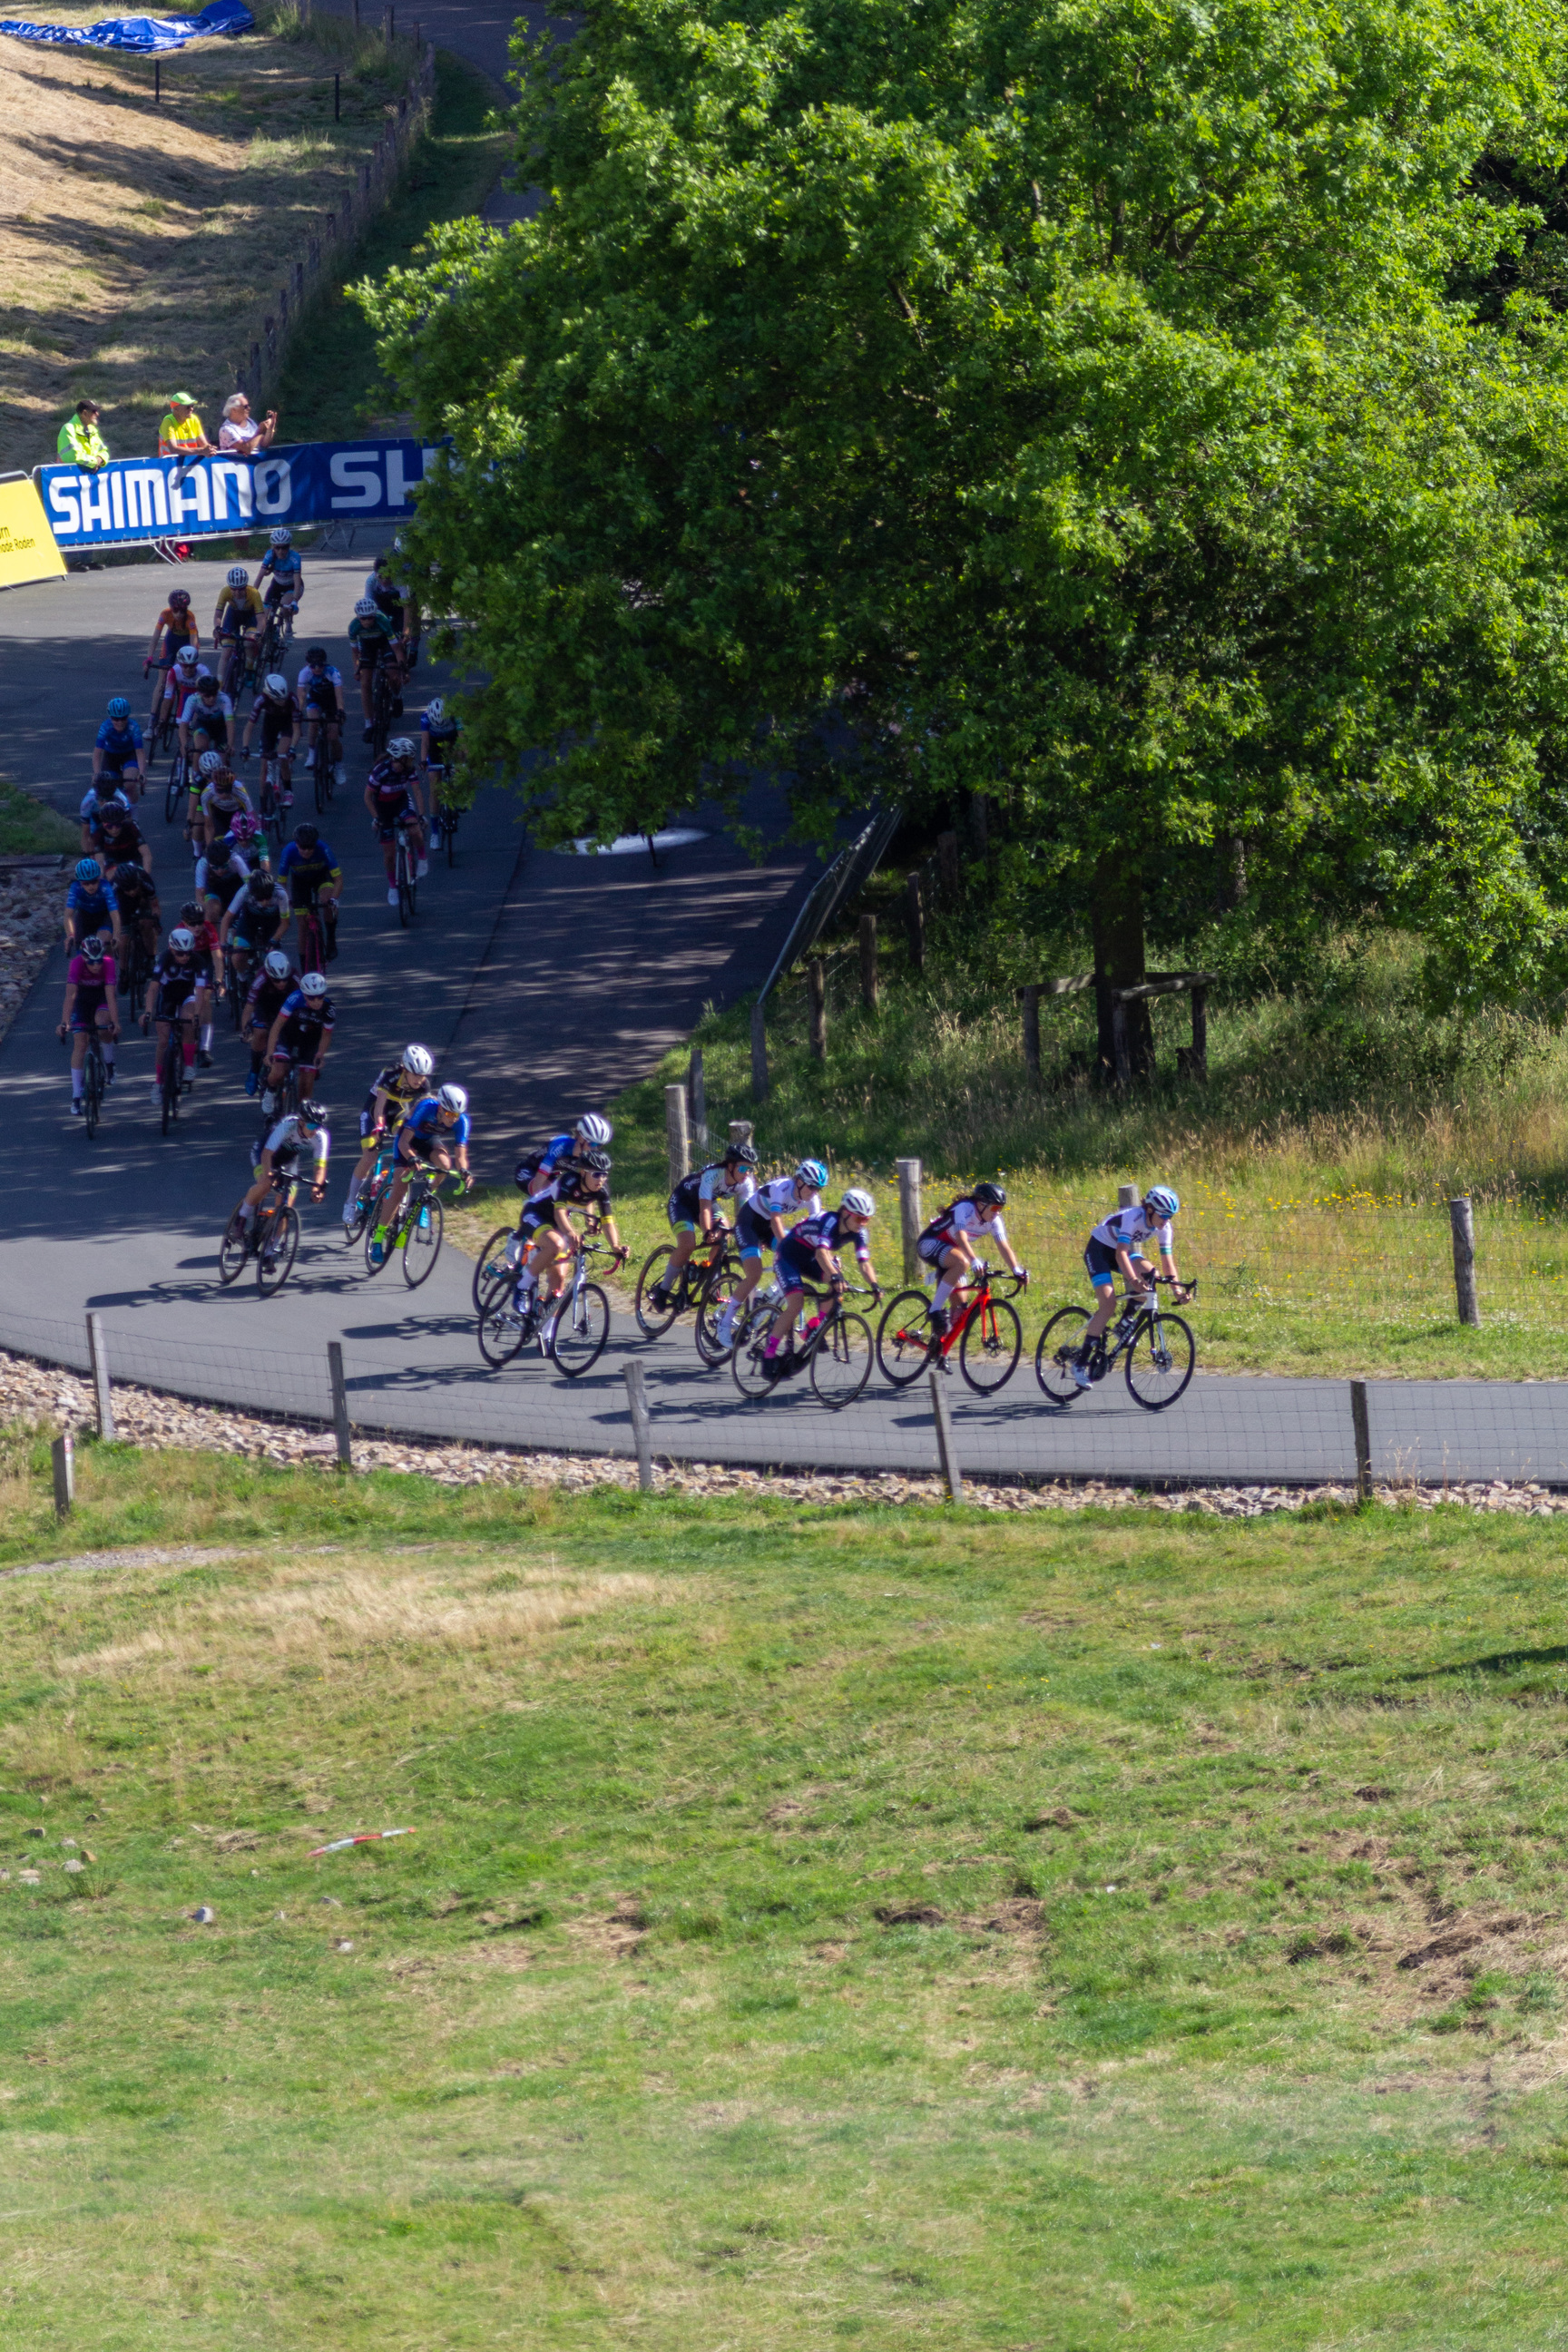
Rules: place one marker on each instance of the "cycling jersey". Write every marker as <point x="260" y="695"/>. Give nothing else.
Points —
<point x="778" y="1198"/>
<point x="371" y="636"/>
<point x="276" y="724"/>
<point x="389" y="787"/>
<point x="961" y="1216"/>
<point x="96" y="898"/>
<point x="119" y="846"/>
<point x="265" y="1000"/>
<point x="225" y="885"/>
<point x="572" y="1187"/>
<point x="120" y="745"/>
<point x="238" y="609"/>
<point x="135" y="891"/>
<point x="442" y="740"/>
<point x="94" y="984"/>
<point x="287" y="1139"/>
<point x="284" y="567"/>
<point x="420" y="1130"/>
<point x="206" y="874"/>
<point x="707" y="1184"/>
<point x="226" y="801"/>
<point x="260" y="919"/>
<point x="306" y="1021"/>
<point x="825" y="1231"/>
<point x="177" y="629"/>
<point x="399" y="1090"/>
<point x="176" y="980"/>
<point x="307" y="871"/>
<point x="320" y="686"/>
<point x="213" y="715"/>
<point x="1128" y="1229"/>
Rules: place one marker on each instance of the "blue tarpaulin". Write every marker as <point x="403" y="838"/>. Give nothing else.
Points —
<point x="144" y="33"/>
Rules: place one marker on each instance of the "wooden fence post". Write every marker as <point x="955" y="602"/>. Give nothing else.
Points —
<point x="917" y="921"/>
<point x="742" y="1130"/>
<point x="759" y="1053"/>
<point x="62" y="1461"/>
<point x="910" y="1218"/>
<point x="816" y="990"/>
<point x="1032" y="1031"/>
<point x="1361" y="1430"/>
<point x="642" y="1427"/>
<point x="868" y="962"/>
<point x="1462" y="1218"/>
<point x="697" y="1093"/>
<point x="97" y="1356"/>
<point x="675" y="1134"/>
<point x="340" y="1404"/>
<point x="947" y="1452"/>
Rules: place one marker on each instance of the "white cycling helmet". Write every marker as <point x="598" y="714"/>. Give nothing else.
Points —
<point x="186" y="657"/>
<point x="280" y="535"/>
<point x="211" y="763"/>
<point x="455" y="1099"/>
<point x="401" y="748"/>
<point x="859" y="1203"/>
<point x="276" y="685"/>
<point x="365" y="606"/>
<point x="418" y="1061"/>
<point x="314" y="983"/>
<point x="594" y="1129"/>
<point x="277" y="965"/>
<point x="813" y="1175"/>
<point x="239" y="577"/>
<point x="181" y="939"/>
<point x="435" y="708"/>
<point x="1162" y="1200"/>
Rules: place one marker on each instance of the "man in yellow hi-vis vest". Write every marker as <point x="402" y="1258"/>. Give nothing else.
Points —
<point x="81" y="443"/>
<point x="180" y="430"/>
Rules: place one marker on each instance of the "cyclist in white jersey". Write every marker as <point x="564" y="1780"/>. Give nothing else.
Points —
<point x="760" y="1223"/>
<point x="948" y="1243"/>
<point x="1116" y="1246"/>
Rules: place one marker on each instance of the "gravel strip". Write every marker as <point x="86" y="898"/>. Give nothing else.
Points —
<point x="31" y="899"/>
<point x="39" y="1396"/>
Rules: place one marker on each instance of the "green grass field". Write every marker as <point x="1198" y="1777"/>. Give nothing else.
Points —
<point x="822" y="1925"/>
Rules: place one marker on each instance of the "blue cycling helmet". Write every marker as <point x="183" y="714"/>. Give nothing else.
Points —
<point x="1159" y="1198"/>
<point x="813" y="1175"/>
<point x="87" y="870"/>
<point x="118" y="707"/>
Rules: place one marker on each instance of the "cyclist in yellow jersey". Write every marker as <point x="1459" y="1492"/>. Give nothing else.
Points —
<point x="237" y="620"/>
<point x="393" y="1095"/>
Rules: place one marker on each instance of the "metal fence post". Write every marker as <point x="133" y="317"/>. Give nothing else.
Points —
<point x="947" y="1452"/>
<point x="62" y="1460"/>
<point x="1462" y="1217"/>
<point x="697" y="1091"/>
<point x="759" y="1053"/>
<point x="816" y="988"/>
<point x="340" y="1404"/>
<point x="1362" y="1431"/>
<point x="868" y="962"/>
<point x="675" y="1129"/>
<point x="97" y="1356"/>
<point x="910" y="1215"/>
<point x="642" y="1428"/>
<point x="1032" y="1031"/>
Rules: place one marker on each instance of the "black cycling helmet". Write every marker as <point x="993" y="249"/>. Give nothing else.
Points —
<point x="740" y="1155"/>
<point x="307" y="835"/>
<point x="599" y="1161"/>
<point x="989" y="1196"/>
<point x="317" y="653"/>
<point x="193" y="911"/>
<point x="220" y="852"/>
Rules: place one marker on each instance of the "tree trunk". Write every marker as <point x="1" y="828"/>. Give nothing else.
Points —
<point x="1119" y="962"/>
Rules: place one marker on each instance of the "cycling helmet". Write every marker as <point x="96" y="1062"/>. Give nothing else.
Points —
<point x="435" y="708"/>
<point x="306" y="834"/>
<point x="599" y="1161"/>
<point x="206" y="682"/>
<point x="181" y="939"/>
<point x="592" y="1128"/>
<point x="743" y="1155"/>
<point x="455" y="1099"/>
<point x="281" y="536"/>
<point x="186" y="657"/>
<point x="1162" y="1200"/>
<point x="92" y="948"/>
<point x="277" y="965"/>
<point x="859" y="1203"/>
<point x="311" y="1113"/>
<point x="179" y="599"/>
<point x="317" y="657"/>
<point x="115" y="806"/>
<point x="277" y="686"/>
<point x="220" y="852"/>
<point x="87" y="870"/>
<point x="989" y="1196"/>
<point x="192" y="912"/>
<point x="811" y="1175"/>
<point x="364" y="605"/>
<point x="118" y="707"/>
<point x="211" y="763"/>
<point x="245" y="829"/>
<point x="401" y="748"/>
<point x="418" y="1061"/>
<point x="314" y="983"/>
<point x="238" y="576"/>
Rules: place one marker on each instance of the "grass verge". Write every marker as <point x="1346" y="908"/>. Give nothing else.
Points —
<point x="821" y="1926"/>
<point x="26" y="824"/>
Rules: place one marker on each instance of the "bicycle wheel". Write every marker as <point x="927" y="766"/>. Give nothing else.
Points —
<point x="718" y="1293"/>
<point x="1059" y="1342"/>
<point x="407" y="883"/>
<point x="654" y="1318"/>
<point x="582" y="1327"/>
<point x="232" y="1250"/>
<point x="1160" y="1362"/>
<point x="751" y="1330"/>
<point x="904" y="1338"/>
<point x="423" y="1247"/>
<point x="841" y="1360"/>
<point x="175" y="791"/>
<point x="174" y="1067"/>
<point x="492" y="1261"/>
<point x="502" y="1332"/>
<point x="234" y="990"/>
<point x="989" y="1350"/>
<point x="393" y="1235"/>
<point x="279" y="1248"/>
<point x="93" y="1090"/>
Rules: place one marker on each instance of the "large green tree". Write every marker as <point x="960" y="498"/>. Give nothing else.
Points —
<point x="1067" y="399"/>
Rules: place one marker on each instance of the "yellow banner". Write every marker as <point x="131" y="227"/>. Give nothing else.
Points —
<point x="28" y="550"/>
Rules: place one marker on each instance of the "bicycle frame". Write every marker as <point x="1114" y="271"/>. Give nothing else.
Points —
<point x="978" y="1297"/>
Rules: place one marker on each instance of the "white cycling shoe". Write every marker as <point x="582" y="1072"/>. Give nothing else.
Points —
<point x="1082" y="1375"/>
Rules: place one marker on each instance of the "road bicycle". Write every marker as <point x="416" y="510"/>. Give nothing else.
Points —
<point x="697" y="1285"/>
<point x="444" y="815"/>
<point x="415" y="1231"/>
<point x="235" y="984"/>
<point x="1159" y="1350"/>
<point x="835" y="1344"/>
<point x="176" y="790"/>
<point x="495" y="1260"/>
<point x="94" y="1081"/>
<point x="313" y="942"/>
<point x="382" y="696"/>
<point x="369" y="1192"/>
<point x="273" y="1239"/>
<point x="982" y="1327"/>
<point x="320" y="762"/>
<point x="573" y="1328"/>
<point x="269" y="806"/>
<point x="404" y="873"/>
<point x="171" y="1080"/>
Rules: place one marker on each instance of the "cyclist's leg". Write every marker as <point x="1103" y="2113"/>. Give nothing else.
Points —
<point x="106" y="1038"/>
<point x="951" y="1267"/>
<point x="164" y="1032"/>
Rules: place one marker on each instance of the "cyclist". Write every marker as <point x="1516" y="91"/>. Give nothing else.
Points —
<point x="1116" y="1245"/>
<point x="118" y="746"/>
<point x="948" y="1243"/>
<point x="760" y="1223"/>
<point x="274" y="1161"/>
<point x="254" y="920"/>
<point x="89" y="899"/>
<point x="248" y="841"/>
<point x="92" y="1002"/>
<point x="273" y="711"/>
<point x="308" y="866"/>
<point x="267" y="995"/>
<point x="536" y="1170"/>
<point x="320" y="690"/>
<point x="300" y="1034"/>
<point x="392" y="797"/>
<point x="582" y="1185"/>
<point x="176" y="625"/>
<point x="196" y="916"/>
<point x="285" y="576"/>
<point x="217" y="798"/>
<point x="116" y="839"/>
<point x="814" y="1247"/>
<point x="220" y="871"/>
<point x="691" y="1207"/>
<point x="438" y="734"/>
<point x="372" y="639"/>
<point x="435" y="1134"/>
<point x="141" y="917"/>
<point x="174" y="997"/>
<point x="393" y="1093"/>
<point x="205" y="719"/>
<point x="185" y="673"/>
<point x="236" y="622"/>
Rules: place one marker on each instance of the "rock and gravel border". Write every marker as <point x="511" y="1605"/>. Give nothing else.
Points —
<point x="32" y="892"/>
<point x="38" y="1395"/>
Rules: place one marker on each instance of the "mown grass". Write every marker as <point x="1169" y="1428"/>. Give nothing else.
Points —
<point x="1315" y="1169"/>
<point x="821" y="1926"/>
<point x="26" y="824"/>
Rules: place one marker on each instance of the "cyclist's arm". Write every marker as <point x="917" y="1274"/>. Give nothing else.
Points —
<point x="96" y="761"/>
<point x="417" y="796"/>
<point x="69" y="1005"/>
<point x="274" y="1034"/>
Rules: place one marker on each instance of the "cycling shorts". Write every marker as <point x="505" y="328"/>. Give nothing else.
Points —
<point x="372" y="650"/>
<point x="1100" y="1261"/>
<point x="386" y="827"/>
<point x="321" y="701"/>
<point x="932" y="1248"/>
<point x="419" y="1147"/>
<point x="302" y="895"/>
<point x="257" y="935"/>
<point x="174" y="1003"/>
<point x="238" y="621"/>
<point x="89" y="1003"/>
<point x="214" y="725"/>
<point x="797" y="1263"/>
<point x="277" y="726"/>
<point x="753" y="1233"/>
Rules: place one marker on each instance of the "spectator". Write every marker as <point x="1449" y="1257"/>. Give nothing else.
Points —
<point x="180" y="431"/>
<point x="81" y="443"/>
<point x="239" y="430"/>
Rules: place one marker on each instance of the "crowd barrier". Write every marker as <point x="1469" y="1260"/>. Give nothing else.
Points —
<point x="133" y="500"/>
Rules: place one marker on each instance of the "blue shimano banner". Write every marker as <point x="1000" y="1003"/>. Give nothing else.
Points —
<point x="212" y="498"/>
<point x="142" y="33"/>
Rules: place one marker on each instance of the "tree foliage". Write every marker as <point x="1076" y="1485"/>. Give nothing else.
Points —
<point x="1080" y="401"/>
